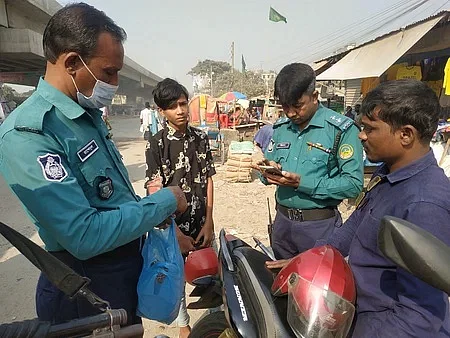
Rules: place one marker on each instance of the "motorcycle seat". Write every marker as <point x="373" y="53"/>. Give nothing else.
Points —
<point x="256" y="280"/>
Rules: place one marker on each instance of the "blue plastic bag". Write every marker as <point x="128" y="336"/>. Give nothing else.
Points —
<point x="161" y="283"/>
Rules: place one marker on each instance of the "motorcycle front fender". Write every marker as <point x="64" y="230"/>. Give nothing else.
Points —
<point x="210" y="297"/>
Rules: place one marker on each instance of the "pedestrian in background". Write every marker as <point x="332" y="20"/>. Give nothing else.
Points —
<point x="146" y="121"/>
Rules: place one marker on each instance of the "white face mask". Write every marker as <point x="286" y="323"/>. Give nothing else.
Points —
<point x="102" y="93"/>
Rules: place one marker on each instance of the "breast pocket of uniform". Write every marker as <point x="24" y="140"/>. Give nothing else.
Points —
<point x="282" y="150"/>
<point x="96" y="171"/>
<point x="315" y="160"/>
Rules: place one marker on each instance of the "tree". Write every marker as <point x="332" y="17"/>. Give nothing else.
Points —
<point x="203" y="68"/>
<point x="248" y="83"/>
<point x="253" y="84"/>
<point x="7" y="93"/>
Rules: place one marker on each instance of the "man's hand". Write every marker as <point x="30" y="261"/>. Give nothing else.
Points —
<point x="206" y="234"/>
<point x="266" y="162"/>
<point x="154" y="185"/>
<point x="186" y="243"/>
<point x="288" y="179"/>
<point x="181" y="199"/>
<point x="273" y="265"/>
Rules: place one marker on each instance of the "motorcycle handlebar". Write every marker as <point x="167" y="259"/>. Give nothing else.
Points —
<point x="88" y="324"/>
<point x="82" y="327"/>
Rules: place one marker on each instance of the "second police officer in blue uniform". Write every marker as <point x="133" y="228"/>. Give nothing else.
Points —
<point x="320" y="156"/>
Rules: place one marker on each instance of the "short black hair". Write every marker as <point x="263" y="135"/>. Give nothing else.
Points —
<point x="75" y="28"/>
<point x="293" y="81"/>
<point x="147" y="104"/>
<point x="404" y="102"/>
<point x="167" y="92"/>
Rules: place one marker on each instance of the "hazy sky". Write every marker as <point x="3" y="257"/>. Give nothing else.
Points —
<point x="168" y="37"/>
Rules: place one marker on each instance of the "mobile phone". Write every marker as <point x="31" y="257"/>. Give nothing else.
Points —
<point x="270" y="170"/>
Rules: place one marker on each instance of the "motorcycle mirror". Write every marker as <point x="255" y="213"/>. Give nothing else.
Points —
<point x="224" y="252"/>
<point x="264" y="248"/>
<point x="202" y="281"/>
<point x="415" y="250"/>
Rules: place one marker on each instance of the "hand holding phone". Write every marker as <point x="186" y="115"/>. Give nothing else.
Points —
<point x="270" y="170"/>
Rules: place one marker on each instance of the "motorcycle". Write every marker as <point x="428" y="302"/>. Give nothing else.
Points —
<point x="243" y="285"/>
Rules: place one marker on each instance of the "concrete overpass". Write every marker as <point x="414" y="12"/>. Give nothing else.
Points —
<point x="22" y="24"/>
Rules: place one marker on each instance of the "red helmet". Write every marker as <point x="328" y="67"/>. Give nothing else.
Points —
<point x="321" y="292"/>
<point x="201" y="263"/>
<point x="323" y="266"/>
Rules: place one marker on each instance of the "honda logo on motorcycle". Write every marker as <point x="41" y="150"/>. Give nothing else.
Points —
<point x="241" y="303"/>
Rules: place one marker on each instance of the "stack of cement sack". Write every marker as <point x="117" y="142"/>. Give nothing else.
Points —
<point x="238" y="165"/>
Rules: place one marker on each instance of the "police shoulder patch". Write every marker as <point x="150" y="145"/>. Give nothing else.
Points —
<point x="52" y="167"/>
<point x="346" y="151"/>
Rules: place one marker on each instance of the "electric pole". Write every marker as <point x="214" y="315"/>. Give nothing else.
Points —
<point x="232" y="56"/>
<point x="211" y="77"/>
<point x="232" y="65"/>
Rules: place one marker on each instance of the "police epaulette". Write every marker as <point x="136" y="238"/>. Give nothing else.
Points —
<point x="280" y="121"/>
<point x="30" y="116"/>
<point x="342" y="122"/>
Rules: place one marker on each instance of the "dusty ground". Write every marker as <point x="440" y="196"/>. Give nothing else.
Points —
<point x="240" y="208"/>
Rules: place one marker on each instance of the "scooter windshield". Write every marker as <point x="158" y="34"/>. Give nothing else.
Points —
<point x="314" y="312"/>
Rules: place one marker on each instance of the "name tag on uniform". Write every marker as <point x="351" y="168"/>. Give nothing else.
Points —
<point x="283" y="145"/>
<point x="87" y="151"/>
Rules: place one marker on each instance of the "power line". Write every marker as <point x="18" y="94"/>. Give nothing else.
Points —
<point x="445" y="3"/>
<point x="365" y="33"/>
<point x="333" y="45"/>
<point x="349" y="28"/>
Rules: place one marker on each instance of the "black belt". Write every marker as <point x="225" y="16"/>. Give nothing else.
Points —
<point x="301" y="215"/>
<point x="130" y="249"/>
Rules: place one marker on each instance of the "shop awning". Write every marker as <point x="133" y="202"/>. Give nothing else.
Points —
<point x="317" y="65"/>
<point x="374" y="58"/>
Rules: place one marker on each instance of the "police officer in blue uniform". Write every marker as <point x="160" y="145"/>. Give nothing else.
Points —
<point x="58" y="158"/>
<point x="320" y="156"/>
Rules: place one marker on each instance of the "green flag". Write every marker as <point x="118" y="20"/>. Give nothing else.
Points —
<point x="243" y="64"/>
<point x="275" y="16"/>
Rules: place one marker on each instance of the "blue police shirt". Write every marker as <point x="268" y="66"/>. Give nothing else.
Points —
<point x="58" y="159"/>
<point x="390" y="301"/>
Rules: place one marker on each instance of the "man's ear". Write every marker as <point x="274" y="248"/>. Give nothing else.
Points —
<point x="408" y="135"/>
<point x="315" y="96"/>
<point x="71" y="62"/>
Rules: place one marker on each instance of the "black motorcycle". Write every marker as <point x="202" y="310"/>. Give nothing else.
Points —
<point x="243" y="285"/>
<point x="244" y="288"/>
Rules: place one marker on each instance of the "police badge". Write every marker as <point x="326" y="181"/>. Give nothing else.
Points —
<point x="105" y="188"/>
<point x="52" y="168"/>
